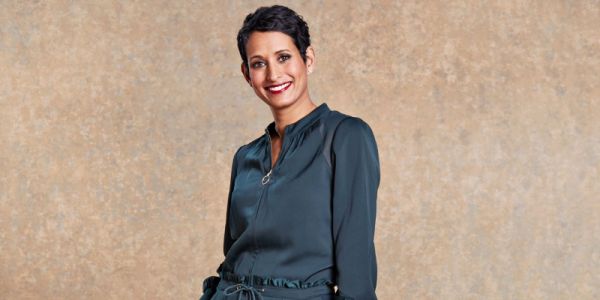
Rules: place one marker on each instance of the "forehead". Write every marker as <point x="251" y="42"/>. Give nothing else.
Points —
<point x="268" y="42"/>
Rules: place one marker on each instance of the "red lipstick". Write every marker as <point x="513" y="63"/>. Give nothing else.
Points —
<point x="280" y="88"/>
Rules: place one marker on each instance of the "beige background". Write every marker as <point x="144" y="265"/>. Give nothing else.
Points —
<point x="119" y="120"/>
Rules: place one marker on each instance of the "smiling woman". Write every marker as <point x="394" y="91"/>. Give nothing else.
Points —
<point x="302" y="197"/>
<point x="276" y="70"/>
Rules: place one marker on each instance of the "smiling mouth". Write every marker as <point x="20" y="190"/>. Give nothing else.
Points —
<point x="275" y="89"/>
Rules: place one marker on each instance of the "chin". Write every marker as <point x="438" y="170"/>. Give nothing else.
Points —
<point x="278" y="103"/>
<point x="282" y="104"/>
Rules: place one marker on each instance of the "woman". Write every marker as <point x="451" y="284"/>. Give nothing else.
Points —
<point x="302" y="197"/>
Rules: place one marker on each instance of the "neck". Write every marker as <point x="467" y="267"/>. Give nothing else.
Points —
<point x="291" y="114"/>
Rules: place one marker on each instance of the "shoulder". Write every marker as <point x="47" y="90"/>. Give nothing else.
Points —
<point x="243" y="149"/>
<point x="353" y="129"/>
<point x="353" y="124"/>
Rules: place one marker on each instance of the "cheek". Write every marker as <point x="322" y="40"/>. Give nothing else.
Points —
<point x="256" y="77"/>
<point x="299" y="69"/>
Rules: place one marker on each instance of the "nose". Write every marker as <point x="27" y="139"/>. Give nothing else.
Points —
<point x="273" y="72"/>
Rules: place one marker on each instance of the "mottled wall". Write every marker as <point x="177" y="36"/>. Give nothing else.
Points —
<point x="119" y="119"/>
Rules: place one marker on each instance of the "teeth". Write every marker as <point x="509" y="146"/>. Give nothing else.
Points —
<point x="279" y="87"/>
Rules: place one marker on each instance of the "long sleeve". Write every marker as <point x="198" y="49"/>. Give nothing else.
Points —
<point x="210" y="283"/>
<point x="227" y="240"/>
<point x="356" y="180"/>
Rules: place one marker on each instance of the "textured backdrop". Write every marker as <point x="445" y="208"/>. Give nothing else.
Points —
<point x="119" y="120"/>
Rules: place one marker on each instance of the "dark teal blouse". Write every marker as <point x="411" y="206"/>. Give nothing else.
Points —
<point x="310" y="220"/>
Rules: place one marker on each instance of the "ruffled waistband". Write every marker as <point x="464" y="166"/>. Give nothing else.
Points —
<point x="275" y="282"/>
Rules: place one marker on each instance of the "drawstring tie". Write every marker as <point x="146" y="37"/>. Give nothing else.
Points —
<point x="253" y="293"/>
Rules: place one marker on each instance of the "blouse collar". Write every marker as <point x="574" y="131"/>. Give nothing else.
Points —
<point x="298" y="126"/>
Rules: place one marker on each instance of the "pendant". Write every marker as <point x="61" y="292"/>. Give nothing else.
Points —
<point x="266" y="178"/>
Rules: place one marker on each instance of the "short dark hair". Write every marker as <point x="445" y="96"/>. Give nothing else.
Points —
<point x="274" y="18"/>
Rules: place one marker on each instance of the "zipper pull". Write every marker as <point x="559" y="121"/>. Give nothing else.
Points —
<point x="267" y="177"/>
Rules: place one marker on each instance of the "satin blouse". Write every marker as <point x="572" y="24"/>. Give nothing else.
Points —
<point x="310" y="219"/>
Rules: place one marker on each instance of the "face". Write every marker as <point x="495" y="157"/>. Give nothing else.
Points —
<point x="277" y="72"/>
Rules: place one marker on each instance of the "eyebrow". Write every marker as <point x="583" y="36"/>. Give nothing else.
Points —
<point x="282" y="50"/>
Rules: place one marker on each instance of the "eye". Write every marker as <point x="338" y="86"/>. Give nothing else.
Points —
<point x="257" y="64"/>
<point x="284" y="57"/>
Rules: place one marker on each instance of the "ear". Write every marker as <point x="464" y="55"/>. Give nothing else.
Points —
<point x="244" y="70"/>
<point x="310" y="59"/>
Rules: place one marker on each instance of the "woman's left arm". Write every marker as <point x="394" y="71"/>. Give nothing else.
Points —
<point x="356" y="180"/>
